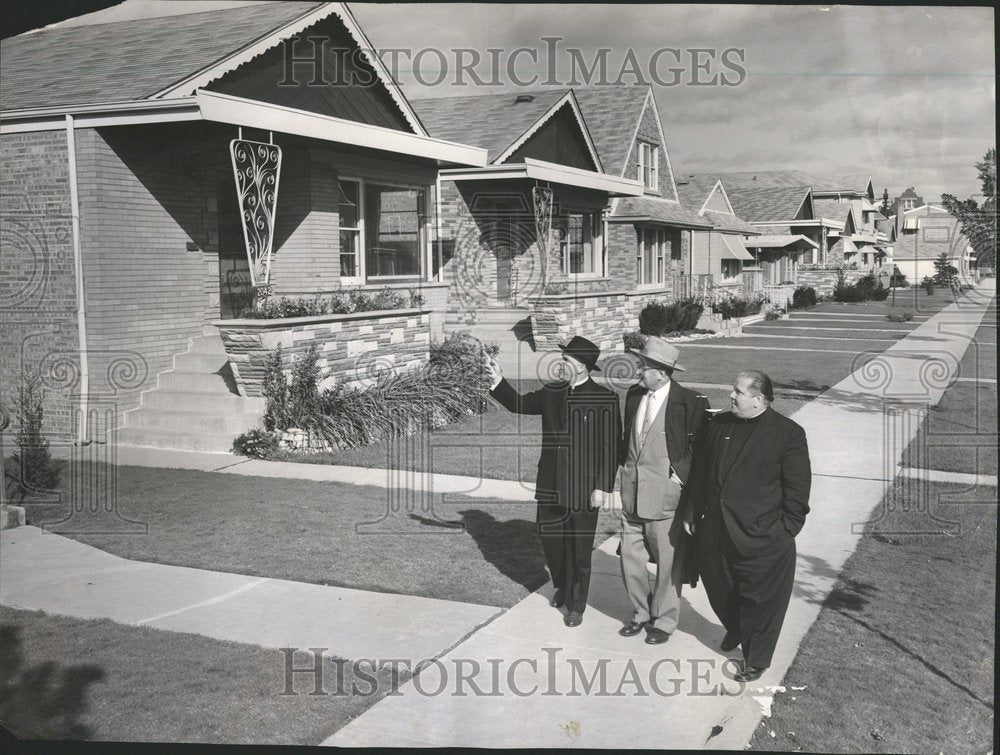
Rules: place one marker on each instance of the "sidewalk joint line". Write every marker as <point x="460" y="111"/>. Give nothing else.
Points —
<point x="210" y="601"/>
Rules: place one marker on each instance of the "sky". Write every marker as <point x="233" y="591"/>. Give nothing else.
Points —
<point x="905" y="94"/>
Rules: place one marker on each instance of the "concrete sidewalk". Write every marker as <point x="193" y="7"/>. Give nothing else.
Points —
<point x="682" y="692"/>
<point x="47" y="572"/>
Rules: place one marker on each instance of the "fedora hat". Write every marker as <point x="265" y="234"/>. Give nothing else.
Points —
<point x="659" y="352"/>
<point x="582" y="349"/>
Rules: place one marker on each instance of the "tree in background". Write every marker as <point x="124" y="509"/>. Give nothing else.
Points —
<point x="884" y="209"/>
<point x="34" y="463"/>
<point x="979" y="223"/>
<point x="944" y="271"/>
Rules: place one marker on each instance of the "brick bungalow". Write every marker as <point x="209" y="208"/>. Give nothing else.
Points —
<point x="123" y="242"/>
<point x="501" y="252"/>
<point x="720" y="256"/>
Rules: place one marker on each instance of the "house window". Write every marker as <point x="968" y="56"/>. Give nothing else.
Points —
<point x="648" y="160"/>
<point x="349" y="209"/>
<point x="731" y="269"/>
<point x="580" y="242"/>
<point x="395" y="232"/>
<point x="654" y="247"/>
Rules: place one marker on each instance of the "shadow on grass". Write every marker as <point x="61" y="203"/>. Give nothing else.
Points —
<point x="44" y="701"/>
<point x="848" y="594"/>
<point x="511" y="547"/>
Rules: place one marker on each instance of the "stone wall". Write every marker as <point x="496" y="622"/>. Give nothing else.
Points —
<point x="353" y="348"/>
<point x="602" y="317"/>
<point x="824" y="280"/>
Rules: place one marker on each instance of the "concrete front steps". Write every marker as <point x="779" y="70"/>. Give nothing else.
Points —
<point x="195" y="406"/>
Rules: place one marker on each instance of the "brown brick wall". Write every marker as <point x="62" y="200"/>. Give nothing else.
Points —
<point x="37" y="279"/>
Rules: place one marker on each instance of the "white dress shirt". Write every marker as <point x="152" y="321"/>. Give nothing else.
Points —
<point x="657" y="397"/>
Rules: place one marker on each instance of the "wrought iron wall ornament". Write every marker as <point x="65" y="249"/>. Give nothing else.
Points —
<point x="541" y="197"/>
<point x="256" y="167"/>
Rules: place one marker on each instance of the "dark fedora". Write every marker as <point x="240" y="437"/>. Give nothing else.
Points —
<point x="585" y="351"/>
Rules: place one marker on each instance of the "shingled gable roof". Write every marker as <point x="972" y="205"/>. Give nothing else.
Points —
<point x="768" y="205"/>
<point x="612" y="115"/>
<point x="654" y="210"/>
<point x="158" y="57"/>
<point x="499" y="122"/>
<point x="695" y="190"/>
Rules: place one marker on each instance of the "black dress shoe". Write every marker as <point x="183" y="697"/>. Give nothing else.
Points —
<point x="558" y="598"/>
<point x="730" y="642"/>
<point x="631" y="629"/>
<point x="656" y="636"/>
<point x="749" y="674"/>
<point x="573" y="619"/>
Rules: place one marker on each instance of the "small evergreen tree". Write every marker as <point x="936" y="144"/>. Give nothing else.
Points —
<point x="944" y="271"/>
<point x="32" y="458"/>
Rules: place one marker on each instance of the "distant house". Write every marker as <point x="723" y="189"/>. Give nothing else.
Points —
<point x="843" y="219"/>
<point x="908" y="200"/>
<point x="922" y="235"/>
<point x="719" y="253"/>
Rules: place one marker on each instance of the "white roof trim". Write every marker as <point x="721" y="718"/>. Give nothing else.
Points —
<point x="718" y="185"/>
<point x="224" y="108"/>
<point x="127" y="113"/>
<point x="663" y="142"/>
<point x="534" y="128"/>
<point x="540" y="170"/>
<point x="252" y="50"/>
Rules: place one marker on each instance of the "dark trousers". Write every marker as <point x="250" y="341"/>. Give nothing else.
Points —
<point x="749" y="594"/>
<point x="567" y="537"/>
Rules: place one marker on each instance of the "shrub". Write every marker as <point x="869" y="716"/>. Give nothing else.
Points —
<point x="738" y="306"/>
<point x="341" y="302"/>
<point x="32" y="457"/>
<point x="899" y="316"/>
<point x="634" y="341"/>
<point x="660" y="318"/>
<point x="866" y="288"/>
<point x="928" y="285"/>
<point x="772" y="314"/>
<point x="898" y="280"/>
<point x="292" y="405"/>
<point x="803" y="297"/>
<point x="453" y="384"/>
<point x="257" y="444"/>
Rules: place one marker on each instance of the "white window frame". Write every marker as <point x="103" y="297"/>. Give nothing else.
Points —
<point x="733" y="265"/>
<point x="650" y="164"/>
<point x="660" y="240"/>
<point x="359" y="249"/>
<point x="426" y="258"/>
<point x="597" y="237"/>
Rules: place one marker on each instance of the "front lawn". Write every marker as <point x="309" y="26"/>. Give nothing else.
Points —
<point x="901" y="656"/>
<point x="465" y="549"/>
<point x="68" y="678"/>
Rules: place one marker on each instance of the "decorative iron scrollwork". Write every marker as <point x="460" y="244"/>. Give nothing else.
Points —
<point x="257" y="166"/>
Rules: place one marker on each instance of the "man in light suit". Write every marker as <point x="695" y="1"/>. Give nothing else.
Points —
<point x="750" y="490"/>
<point x="662" y="420"/>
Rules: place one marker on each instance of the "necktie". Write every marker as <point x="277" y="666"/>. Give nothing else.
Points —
<point x="647" y="421"/>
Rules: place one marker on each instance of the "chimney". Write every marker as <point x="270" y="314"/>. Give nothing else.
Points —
<point x="524" y="98"/>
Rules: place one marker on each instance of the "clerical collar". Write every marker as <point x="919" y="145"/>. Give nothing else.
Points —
<point x="577" y="385"/>
<point x="751" y="420"/>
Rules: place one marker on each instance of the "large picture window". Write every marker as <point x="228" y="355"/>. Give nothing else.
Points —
<point x="581" y="245"/>
<point x="653" y="251"/>
<point x="383" y="231"/>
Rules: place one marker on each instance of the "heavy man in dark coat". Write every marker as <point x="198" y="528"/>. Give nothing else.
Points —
<point x="581" y="426"/>
<point x="751" y="492"/>
<point x="662" y="419"/>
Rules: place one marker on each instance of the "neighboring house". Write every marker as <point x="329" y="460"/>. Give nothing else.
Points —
<point x="120" y="198"/>
<point x="789" y="229"/>
<point x="908" y="200"/>
<point x="494" y="251"/>
<point x="720" y="253"/>
<point x="843" y="220"/>
<point x="923" y="233"/>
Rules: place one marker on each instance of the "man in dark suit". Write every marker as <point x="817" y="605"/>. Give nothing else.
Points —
<point x="581" y="426"/>
<point x="662" y="419"/>
<point x="751" y="492"/>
